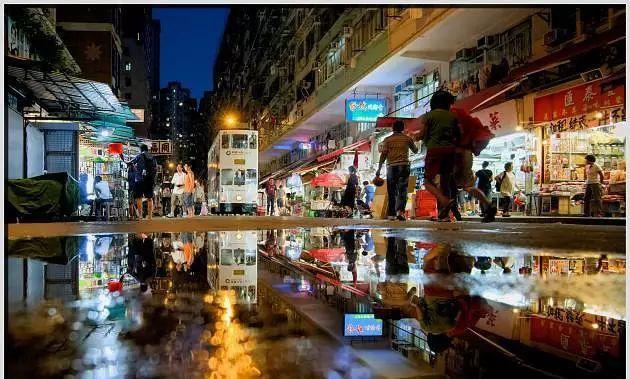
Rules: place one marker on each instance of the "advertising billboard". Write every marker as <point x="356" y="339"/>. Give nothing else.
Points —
<point x="362" y="325"/>
<point x="365" y="110"/>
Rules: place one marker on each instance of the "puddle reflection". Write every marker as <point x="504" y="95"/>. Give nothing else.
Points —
<point x="91" y="304"/>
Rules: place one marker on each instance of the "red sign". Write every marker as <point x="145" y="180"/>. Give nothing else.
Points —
<point x="582" y="341"/>
<point x="577" y="101"/>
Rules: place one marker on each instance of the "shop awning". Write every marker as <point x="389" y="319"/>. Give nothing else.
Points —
<point x="362" y="145"/>
<point x="59" y="93"/>
<point x="104" y="131"/>
<point x="316" y="166"/>
<point x="476" y="101"/>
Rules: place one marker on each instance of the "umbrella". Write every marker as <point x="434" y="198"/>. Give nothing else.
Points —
<point x="327" y="180"/>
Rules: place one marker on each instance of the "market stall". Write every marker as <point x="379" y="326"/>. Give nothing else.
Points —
<point x="578" y="121"/>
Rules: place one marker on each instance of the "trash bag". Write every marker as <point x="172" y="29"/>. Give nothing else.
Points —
<point x="57" y="250"/>
<point x="43" y="197"/>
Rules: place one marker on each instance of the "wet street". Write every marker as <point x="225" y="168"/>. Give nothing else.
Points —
<point x="240" y="298"/>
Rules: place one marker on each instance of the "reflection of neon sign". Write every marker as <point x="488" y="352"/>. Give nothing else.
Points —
<point x="365" y="110"/>
<point x="361" y="325"/>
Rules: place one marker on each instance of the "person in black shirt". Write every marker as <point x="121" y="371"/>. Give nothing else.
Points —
<point x="484" y="182"/>
<point x="352" y="187"/>
<point x="141" y="260"/>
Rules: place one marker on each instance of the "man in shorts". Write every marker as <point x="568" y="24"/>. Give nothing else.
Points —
<point x="146" y="168"/>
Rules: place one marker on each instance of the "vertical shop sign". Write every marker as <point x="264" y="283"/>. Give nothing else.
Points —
<point x="577" y="101"/>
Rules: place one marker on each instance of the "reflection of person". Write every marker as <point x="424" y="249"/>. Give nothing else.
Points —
<point x="395" y="150"/>
<point x="141" y="260"/>
<point x="349" y="243"/>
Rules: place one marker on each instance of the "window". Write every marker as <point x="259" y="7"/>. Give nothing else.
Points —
<point x="239" y="141"/>
<point x="227" y="259"/>
<point x="250" y="257"/>
<point x="225" y="141"/>
<point x="128" y="66"/>
<point x="253" y="142"/>
<point x="239" y="256"/>
<point x="239" y="178"/>
<point x="227" y="177"/>
<point x="251" y="175"/>
<point x="128" y="81"/>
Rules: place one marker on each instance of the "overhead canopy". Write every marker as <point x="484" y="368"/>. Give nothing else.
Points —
<point x="361" y="145"/>
<point x="60" y="93"/>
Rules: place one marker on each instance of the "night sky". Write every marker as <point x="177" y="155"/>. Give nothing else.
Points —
<point x="190" y="42"/>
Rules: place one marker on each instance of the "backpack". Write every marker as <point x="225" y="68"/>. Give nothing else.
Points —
<point x="150" y="166"/>
<point x="499" y="181"/>
<point x="474" y="135"/>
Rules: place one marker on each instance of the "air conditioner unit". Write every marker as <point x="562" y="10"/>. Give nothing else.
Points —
<point x="347" y="31"/>
<point x="419" y="80"/>
<point x="486" y="42"/>
<point x="555" y="37"/>
<point x="591" y="75"/>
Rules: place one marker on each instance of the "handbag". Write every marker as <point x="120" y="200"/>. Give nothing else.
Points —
<point x="497" y="186"/>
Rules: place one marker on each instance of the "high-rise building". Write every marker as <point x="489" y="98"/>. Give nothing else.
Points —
<point x="178" y="122"/>
<point x="93" y="37"/>
<point x="139" y="65"/>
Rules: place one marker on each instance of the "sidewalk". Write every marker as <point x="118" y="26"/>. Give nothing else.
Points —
<point x="384" y="362"/>
<point x="573" y="220"/>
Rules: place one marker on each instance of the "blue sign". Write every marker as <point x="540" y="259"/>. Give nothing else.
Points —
<point x="365" y="110"/>
<point x="362" y="325"/>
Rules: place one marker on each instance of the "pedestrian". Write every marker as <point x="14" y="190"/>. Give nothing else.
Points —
<point x="367" y="193"/>
<point x="270" y="190"/>
<point x="330" y="142"/>
<point x="103" y="195"/>
<point x="280" y="198"/>
<point x="131" y="181"/>
<point x="189" y="188"/>
<point x="141" y="260"/>
<point x="506" y="186"/>
<point x="395" y="150"/>
<point x="350" y="193"/>
<point x="145" y="171"/>
<point x="439" y="132"/>
<point x="166" y="198"/>
<point x="594" y="177"/>
<point x="199" y="196"/>
<point x="484" y="182"/>
<point x="177" y="198"/>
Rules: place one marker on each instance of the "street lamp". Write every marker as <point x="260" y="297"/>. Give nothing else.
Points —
<point x="171" y="165"/>
<point x="230" y="120"/>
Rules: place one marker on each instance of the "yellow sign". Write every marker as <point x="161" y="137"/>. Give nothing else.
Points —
<point x="239" y="272"/>
<point x="239" y="161"/>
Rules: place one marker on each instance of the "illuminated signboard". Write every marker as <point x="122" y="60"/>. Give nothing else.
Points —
<point x="362" y="325"/>
<point x="365" y="110"/>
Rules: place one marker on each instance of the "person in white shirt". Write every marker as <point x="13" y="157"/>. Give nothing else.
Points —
<point x="178" y="190"/>
<point x="506" y="183"/>
<point x="593" y="194"/>
<point x="103" y="194"/>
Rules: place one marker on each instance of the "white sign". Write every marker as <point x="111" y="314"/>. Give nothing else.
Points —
<point x="500" y="321"/>
<point x="502" y="119"/>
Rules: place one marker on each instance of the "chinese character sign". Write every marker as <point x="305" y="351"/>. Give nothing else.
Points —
<point x="577" y="101"/>
<point x="362" y="325"/>
<point x="365" y="110"/>
<point x="161" y="147"/>
<point x="501" y="119"/>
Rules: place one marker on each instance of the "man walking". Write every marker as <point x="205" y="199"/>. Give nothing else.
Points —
<point x="270" y="190"/>
<point x="484" y="182"/>
<point x="593" y="193"/>
<point x="145" y="170"/>
<point x="395" y="150"/>
<point x="506" y="185"/>
<point x="177" y="198"/>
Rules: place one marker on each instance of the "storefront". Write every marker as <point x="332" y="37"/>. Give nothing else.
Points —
<point x="577" y="121"/>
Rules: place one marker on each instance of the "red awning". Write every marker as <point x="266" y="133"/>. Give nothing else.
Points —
<point x="328" y="255"/>
<point x="362" y="145"/>
<point x="473" y="102"/>
<point x="328" y="180"/>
